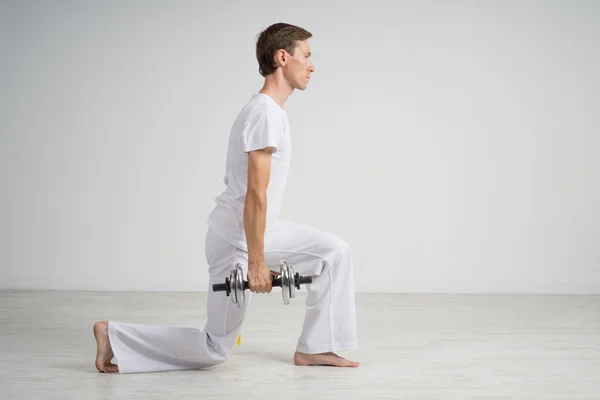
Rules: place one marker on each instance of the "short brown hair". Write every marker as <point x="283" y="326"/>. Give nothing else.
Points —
<point x="275" y="37"/>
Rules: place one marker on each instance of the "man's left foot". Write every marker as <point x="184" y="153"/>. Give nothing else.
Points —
<point x="329" y="358"/>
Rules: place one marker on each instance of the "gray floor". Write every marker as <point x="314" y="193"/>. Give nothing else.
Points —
<point x="411" y="347"/>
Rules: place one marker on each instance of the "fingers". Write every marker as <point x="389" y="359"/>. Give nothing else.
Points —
<point x="263" y="285"/>
<point x="254" y="285"/>
<point x="260" y="281"/>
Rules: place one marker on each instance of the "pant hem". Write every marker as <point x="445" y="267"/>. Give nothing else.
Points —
<point x="302" y="348"/>
<point x="115" y="345"/>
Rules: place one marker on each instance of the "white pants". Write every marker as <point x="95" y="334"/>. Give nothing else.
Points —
<point x="330" y="319"/>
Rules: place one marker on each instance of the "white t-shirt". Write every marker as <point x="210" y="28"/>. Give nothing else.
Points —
<point x="261" y="123"/>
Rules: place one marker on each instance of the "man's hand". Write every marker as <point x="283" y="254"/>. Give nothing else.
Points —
<point x="260" y="278"/>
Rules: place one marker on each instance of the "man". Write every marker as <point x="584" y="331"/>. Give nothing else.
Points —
<point x="244" y="227"/>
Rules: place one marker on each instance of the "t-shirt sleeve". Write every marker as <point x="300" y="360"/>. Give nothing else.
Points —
<point x="262" y="130"/>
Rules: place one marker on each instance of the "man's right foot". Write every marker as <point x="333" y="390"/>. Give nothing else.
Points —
<point x="329" y="358"/>
<point x="104" y="353"/>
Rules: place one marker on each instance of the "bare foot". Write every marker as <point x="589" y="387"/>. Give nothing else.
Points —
<point x="328" y="358"/>
<point x="104" y="352"/>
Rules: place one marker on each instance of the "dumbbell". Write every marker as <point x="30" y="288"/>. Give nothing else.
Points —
<point x="235" y="286"/>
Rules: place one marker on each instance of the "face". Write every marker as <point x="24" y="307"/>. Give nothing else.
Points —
<point x="298" y="67"/>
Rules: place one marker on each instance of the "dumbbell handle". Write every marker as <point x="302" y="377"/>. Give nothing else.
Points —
<point x="222" y="287"/>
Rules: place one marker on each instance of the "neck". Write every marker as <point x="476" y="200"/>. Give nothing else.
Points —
<point x="277" y="88"/>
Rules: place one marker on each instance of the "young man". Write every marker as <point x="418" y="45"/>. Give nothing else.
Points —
<point x="244" y="227"/>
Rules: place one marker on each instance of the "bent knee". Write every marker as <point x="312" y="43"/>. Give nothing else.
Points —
<point x="343" y="245"/>
<point x="334" y="243"/>
<point x="336" y="246"/>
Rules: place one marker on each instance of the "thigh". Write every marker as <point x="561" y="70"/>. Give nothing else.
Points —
<point x="303" y="247"/>
<point x="221" y="256"/>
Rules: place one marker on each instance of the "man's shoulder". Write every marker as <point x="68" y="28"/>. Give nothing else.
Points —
<point x="258" y="108"/>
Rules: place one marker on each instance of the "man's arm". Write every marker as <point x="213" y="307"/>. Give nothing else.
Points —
<point x="255" y="208"/>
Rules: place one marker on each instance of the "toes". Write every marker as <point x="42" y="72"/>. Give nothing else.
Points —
<point x="351" y="363"/>
<point x="108" y="367"/>
<point x="111" y="368"/>
<point x="323" y="359"/>
<point x="346" y="363"/>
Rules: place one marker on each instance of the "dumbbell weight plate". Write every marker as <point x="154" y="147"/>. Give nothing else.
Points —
<point x="288" y="290"/>
<point x="292" y="280"/>
<point x="238" y="295"/>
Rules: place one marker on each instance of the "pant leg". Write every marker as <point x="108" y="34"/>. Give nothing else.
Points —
<point x="330" y="319"/>
<point x="150" y="348"/>
<point x="224" y="318"/>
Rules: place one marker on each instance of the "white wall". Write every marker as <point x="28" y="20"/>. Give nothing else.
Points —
<point x="453" y="145"/>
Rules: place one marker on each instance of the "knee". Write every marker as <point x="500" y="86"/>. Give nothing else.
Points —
<point x="345" y="245"/>
<point x="342" y="245"/>
<point x="334" y="244"/>
<point x="339" y="249"/>
<point x="222" y="355"/>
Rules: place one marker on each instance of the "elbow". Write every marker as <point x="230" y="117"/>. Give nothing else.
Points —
<point x="256" y="196"/>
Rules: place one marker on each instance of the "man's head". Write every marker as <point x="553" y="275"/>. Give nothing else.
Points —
<point x="283" y="48"/>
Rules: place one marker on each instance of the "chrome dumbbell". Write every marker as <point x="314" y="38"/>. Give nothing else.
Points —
<point x="235" y="285"/>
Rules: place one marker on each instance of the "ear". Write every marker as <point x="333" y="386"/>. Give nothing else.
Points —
<point x="281" y="57"/>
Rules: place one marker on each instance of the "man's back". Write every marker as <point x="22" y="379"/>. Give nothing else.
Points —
<point x="260" y="124"/>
